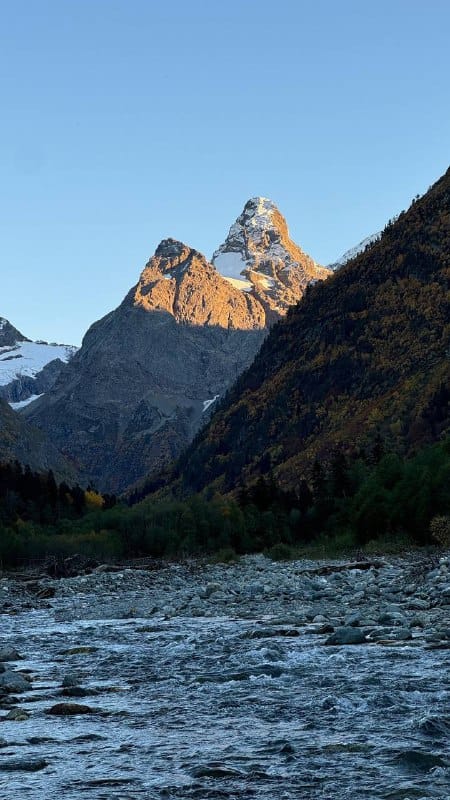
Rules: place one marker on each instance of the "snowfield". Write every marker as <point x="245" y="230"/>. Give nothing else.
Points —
<point x="26" y="359"/>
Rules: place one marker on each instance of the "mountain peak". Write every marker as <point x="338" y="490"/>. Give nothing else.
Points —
<point x="259" y="254"/>
<point x="181" y="281"/>
<point x="172" y="249"/>
<point x="259" y="206"/>
<point x="9" y="335"/>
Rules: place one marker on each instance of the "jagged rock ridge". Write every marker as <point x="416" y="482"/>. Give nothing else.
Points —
<point x="259" y="257"/>
<point x="181" y="281"/>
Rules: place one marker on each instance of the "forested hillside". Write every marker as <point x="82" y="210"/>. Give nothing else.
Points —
<point x="364" y="357"/>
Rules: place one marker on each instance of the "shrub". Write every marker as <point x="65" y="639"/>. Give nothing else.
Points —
<point x="279" y="552"/>
<point x="440" y="530"/>
<point x="226" y="555"/>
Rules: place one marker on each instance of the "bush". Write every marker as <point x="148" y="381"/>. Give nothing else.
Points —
<point x="280" y="552"/>
<point x="226" y="555"/>
<point x="440" y="530"/>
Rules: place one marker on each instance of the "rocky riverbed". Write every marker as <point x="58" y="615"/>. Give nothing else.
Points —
<point x="251" y="680"/>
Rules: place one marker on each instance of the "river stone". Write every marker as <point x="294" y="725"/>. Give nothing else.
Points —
<point x="320" y="629"/>
<point x="71" y="679"/>
<point x="17" y="715"/>
<point x="77" y="691"/>
<point x="209" y="589"/>
<point x="69" y="709"/>
<point x="391" y="618"/>
<point x="418" y="604"/>
<point x="346" y="636"/>
<point x="13" y="682"/>
<point x="23" y="765"/>
<point x="9" y="654"/>
<point x="418" y="622"/>
<point x="352" y="621"/>
<point x="402" y="634"/>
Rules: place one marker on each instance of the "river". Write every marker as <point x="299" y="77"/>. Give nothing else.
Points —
<point x="228" y="699"/>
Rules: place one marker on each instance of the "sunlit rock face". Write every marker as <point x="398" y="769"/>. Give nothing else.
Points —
<point x="149" y="373"/>
<point x="182" y="282"/>
<point x="259" y="257"/>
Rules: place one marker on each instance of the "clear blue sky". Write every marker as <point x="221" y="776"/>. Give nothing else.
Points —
<point x="126" y="121"/>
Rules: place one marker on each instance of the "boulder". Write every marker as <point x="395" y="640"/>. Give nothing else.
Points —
<point x="13" y="682"/>
<point x="69" y="709"/>
<point x="346" y="636"/>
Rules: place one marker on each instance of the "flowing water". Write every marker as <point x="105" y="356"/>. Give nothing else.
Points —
<point x="225" y="707"/>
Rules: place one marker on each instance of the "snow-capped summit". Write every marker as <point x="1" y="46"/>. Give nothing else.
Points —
<point x="258" y="256"/>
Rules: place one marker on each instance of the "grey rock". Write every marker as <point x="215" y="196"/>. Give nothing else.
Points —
<point x="9" y="654"/>
<point x="23" y="765"/>
<point x="418" y="604"/>
<point x="14" y="682"/>
<point x="210" y="589"/>
<point x="391" y="618"/>
<point x="352" y="620"/>
<point x="69" y="709"/>
<point x="320" y="629"/>
<point x="401" y="634"/>
<point x="346" y="636"/>
<point x="17" y="715"/>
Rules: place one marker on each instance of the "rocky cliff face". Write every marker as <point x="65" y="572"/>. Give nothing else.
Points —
<point x="259" y="257"/>
<point x="181" y="281"/>
<point x="148" y="374"/>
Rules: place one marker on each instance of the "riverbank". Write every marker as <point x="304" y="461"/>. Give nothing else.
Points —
<point x="379" y="595"/>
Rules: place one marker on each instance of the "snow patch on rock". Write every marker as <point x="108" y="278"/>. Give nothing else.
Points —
<point x="23" y="403"/>
<point x="355" y="251"/>
<point x="208" y="403"/>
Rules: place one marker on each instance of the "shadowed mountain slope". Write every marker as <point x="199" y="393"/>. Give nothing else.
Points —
<point x="365" y="353"/>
